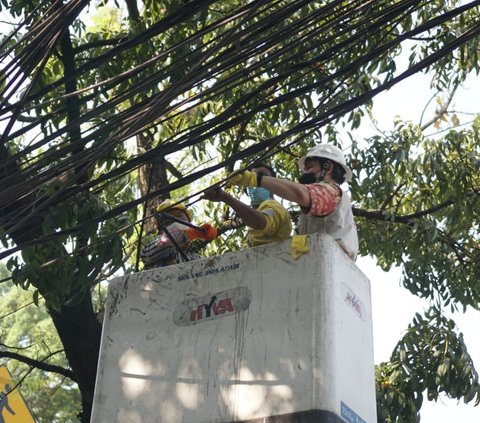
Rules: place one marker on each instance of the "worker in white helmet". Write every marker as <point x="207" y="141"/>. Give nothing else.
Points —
<point x="324" y="205"/>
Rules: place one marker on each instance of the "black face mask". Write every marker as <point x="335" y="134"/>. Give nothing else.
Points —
<point x="307" y="178"/>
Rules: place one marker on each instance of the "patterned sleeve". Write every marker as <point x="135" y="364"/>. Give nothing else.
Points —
<point x="324" y="198"/>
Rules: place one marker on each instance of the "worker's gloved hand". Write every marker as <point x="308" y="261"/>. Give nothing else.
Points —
<point x="214" y="194"/>
<point x="299" y="246"/>
<point x="208" y="232"/>
<point x="244" y="179"/>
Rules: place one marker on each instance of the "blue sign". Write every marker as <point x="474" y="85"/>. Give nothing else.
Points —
<point x="349" y="415"/>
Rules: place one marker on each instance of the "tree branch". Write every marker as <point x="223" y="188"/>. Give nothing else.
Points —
<point x="406" y="219"/>
<point x="442" y="111"/>
<point x="389" y="199"/>
<point x="39" y="364"/>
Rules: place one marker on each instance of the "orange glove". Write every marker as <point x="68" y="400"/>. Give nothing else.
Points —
<point x="208" y="234"/>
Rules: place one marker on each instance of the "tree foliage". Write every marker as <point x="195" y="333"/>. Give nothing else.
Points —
<point x="431" y="358"/>
<point x="176" y="93"/>
<point x="51" y="396"/>
<point x="425" y="192"/>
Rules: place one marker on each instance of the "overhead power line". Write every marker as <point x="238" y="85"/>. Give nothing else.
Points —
<point x="244" y="46"/>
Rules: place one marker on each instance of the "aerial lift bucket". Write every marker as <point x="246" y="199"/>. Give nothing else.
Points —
<point x="253" y="336"/>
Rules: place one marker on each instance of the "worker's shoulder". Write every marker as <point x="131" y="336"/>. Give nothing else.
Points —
<point x="271" y="204"/>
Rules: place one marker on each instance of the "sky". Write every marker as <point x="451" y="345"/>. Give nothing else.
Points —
<point x="393" y="307"/>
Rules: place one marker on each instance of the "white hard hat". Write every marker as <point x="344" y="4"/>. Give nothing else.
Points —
<point x="330" y="152"/>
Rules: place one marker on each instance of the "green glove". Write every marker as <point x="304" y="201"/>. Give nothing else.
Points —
<point x="244" y="179"/>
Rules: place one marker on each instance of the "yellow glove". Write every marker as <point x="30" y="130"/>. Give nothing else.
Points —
<point x="244" y="179"/>
<point x="299" y="246"/>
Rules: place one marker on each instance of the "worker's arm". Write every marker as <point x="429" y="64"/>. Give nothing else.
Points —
<point x="289" y="190"/>
<point x="251" y="217"/>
